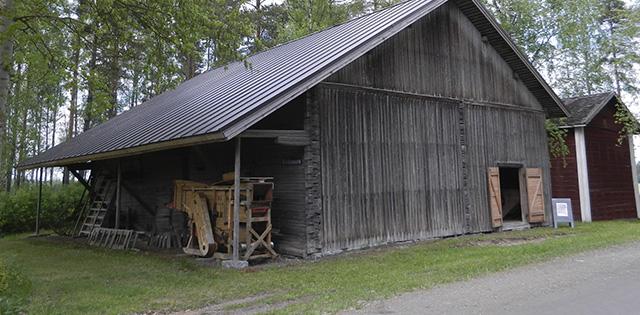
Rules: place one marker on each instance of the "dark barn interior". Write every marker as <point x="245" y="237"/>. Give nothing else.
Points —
<point x="511" y="197"/>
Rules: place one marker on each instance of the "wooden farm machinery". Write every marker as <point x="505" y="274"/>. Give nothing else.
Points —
<point x="210" y="212"/>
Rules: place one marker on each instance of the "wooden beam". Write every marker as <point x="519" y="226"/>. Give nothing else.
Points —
<point x="272" y="133"/>
<point x="293" y="141"/>
<point x="80" y="179"/>
<point x="453" y="101"/>
<point x="282" y="137"/>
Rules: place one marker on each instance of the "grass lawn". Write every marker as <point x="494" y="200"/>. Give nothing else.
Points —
<point x="69" y="278"/>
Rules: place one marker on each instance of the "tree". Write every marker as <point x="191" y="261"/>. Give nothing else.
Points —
<point x="581" y="46"/>
<point x="531" y="24"/>
<point x="309" y="16"/>
<point x="99" y="58"/>
<point x="6" y="52"/>
<point x="622" y="26"/>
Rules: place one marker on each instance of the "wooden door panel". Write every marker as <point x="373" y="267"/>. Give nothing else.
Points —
<point x="535" y="194"/>
<point x="495" y="196"/>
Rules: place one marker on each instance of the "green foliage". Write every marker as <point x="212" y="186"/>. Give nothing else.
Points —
<point x="557" y="139"/>
<point x="581" y="46"/>
<point x="14" y="289"/>
<point x="60" y="206"/>
<point x="531" y="24"/>
<point x="310" y="16"/>
<point x="626" y="120"/>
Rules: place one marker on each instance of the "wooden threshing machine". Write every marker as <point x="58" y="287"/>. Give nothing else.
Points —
<point x="210" y="211"/>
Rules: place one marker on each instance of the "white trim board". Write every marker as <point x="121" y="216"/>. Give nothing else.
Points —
<point x="583" y="174"/>
<point x="634" y="174"/>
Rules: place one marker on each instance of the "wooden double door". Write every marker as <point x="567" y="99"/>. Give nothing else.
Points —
<point x="516" y="191"/>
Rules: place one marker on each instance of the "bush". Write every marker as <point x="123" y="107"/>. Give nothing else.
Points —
<point x="60" y="206"/>
<point x="14" y="289"/>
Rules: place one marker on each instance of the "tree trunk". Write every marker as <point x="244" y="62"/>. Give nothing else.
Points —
<point x="258" y="20"/>
<point x="6" y="52"/>
<point x="88" y="107"/>
<point x="11" y="156"/>
<point x="73" y="107"/>
<point x="54" y="118"/>
<point x="114" y="81"/>
<point x="22" y="144"/>
<point x="616" y="70"/>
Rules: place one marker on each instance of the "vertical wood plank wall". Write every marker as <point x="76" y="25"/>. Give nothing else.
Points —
<point x="501" y="135"/>
<point x="399" y="165"/>
<point x="392" y="164"/>
<point x="390" y="169"/>
<point x="610" y="178"/>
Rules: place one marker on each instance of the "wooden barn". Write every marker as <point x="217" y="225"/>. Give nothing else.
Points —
<point x="419" y="121"/>
<point x="599" y="174"/>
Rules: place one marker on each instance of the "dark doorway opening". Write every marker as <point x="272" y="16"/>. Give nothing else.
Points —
<point x="511" y="194"/>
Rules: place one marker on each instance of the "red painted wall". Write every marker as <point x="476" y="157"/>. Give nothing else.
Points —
<point x="609" y="165"/>
<point x="564" y="176"/>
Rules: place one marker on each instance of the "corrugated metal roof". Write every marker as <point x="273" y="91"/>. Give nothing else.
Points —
<point x="219" y="104"/>
<point x="582" y="109"/>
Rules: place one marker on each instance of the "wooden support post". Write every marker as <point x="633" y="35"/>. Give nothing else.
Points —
<point x="118" y="188"/>
<point x="236" y="262"/>
<point x="236" y="202"/>
<point x="39" y="204"/>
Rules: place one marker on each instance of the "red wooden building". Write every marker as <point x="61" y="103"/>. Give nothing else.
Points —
<point x="599" y="174"/>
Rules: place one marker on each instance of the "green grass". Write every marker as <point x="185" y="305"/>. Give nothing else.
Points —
<point x="74" y="279"/>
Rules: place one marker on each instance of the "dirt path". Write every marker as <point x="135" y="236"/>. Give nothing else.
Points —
<point x="600" y="282"/>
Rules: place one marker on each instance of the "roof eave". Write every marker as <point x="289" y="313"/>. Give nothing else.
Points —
<point x="148" y="148"/>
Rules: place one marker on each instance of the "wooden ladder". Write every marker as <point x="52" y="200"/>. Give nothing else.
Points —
<point x="103" y="190"/>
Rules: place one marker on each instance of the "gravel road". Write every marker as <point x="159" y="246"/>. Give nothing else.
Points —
<point x="599" y="282"/>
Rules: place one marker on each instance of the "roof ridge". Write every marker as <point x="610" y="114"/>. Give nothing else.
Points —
<point x="589" y="95"/>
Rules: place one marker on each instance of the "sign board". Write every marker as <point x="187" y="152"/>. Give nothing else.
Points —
<point x="562" y="211"/>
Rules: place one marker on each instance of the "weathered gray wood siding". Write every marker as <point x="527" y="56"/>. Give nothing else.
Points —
<point x="501" y="136"/>
<point x="409" y="129"/>
<point x="399" y="167"/>
<point x="442" y="54"/>
<point x="390" y="169"/>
